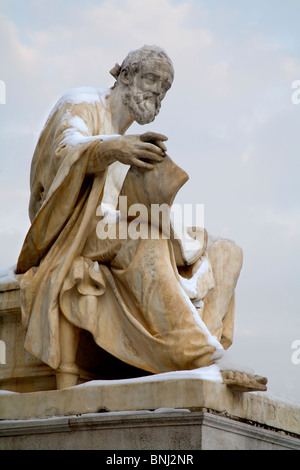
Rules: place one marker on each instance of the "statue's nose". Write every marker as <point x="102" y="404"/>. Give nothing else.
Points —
<point x="157" y="88"/>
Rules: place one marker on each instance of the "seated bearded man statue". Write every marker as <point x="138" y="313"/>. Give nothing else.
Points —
<point x="146" y="301"/>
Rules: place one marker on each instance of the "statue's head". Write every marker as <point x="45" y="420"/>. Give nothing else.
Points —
<point x="145" y="76"/>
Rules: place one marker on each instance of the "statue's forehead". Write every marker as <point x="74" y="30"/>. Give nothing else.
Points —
<point x="156" y="66"/>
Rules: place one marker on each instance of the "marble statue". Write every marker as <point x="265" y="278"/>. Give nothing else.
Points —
<point x="146" y="300"/>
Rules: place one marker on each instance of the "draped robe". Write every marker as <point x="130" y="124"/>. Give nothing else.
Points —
<point x="133" y="296"/>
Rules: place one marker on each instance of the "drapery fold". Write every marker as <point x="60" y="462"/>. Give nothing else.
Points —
<point x="133" y="301"/>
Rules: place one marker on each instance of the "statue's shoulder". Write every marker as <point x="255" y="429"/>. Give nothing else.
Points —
<point x="80" y="96"/>
<point x="88" y="95"/>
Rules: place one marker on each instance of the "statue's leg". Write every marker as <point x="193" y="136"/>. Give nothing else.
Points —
<point x="68" y="372"/>
<point x="218" y="312"/>
<point x="146" y="279"/>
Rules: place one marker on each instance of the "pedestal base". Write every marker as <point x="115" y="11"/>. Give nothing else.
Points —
<point x="178" y="430"/>
<point x="200" y="414"/>
<point x="118" y="414"/>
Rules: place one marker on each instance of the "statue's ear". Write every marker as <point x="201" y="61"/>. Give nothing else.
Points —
<point x="124" y="76"/>
<point x="115" y="71"/>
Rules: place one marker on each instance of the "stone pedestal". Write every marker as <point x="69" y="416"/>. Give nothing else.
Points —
<point x="21" y="372"/>
<point x="165" y="411"/>
<point x="160" y="430"/>
<point x="150" y="393"/>
<point x="190" y="414"/>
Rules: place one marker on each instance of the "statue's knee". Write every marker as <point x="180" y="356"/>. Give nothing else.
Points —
<point x="236" y="255"/>
<point x="228" y="251"/>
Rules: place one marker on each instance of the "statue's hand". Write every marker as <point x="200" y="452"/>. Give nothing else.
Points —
<point x="156" y="139"/>
<point x="140" y="150"/>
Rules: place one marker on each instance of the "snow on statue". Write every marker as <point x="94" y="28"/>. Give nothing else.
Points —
<point x="147" y="301"/>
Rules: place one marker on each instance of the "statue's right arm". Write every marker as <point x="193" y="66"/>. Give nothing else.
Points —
<point x="77" y="130"/>
<point x="129" y="149"/>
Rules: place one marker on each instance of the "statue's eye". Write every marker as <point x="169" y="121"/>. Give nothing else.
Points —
<point x="150" y="78"/>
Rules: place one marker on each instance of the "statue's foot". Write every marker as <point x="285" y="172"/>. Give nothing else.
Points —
<point x="242" y="382"/>
<point x="66" y="375"/>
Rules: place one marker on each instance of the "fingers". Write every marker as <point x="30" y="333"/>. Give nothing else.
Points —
<point x="154" y="139"/>
<point x="143" y="150"/>
<point x="152" y="136"/>
<point x="152" y="149"/>
<point x="146" y="160"/>
<point x="146" y="155"/>
<point x="155" y="147"/>
<point x="161" y="145"/>
<point x="262" y="380"/>
<point x="142" y="164"/>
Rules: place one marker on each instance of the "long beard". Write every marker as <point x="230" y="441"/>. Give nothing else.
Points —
<point x="143" y="106"/>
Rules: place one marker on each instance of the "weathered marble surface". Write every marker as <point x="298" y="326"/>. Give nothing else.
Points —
<point x="154" y="303"/>
<point x="164" y="429"/>
<point x="152" y="393"/>
<point x="22" y="372"/>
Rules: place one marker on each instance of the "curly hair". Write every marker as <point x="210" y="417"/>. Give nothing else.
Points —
<point x="133" y="61"/>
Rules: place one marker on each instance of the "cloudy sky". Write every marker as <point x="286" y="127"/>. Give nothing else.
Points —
<point x="230" y="119"/>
